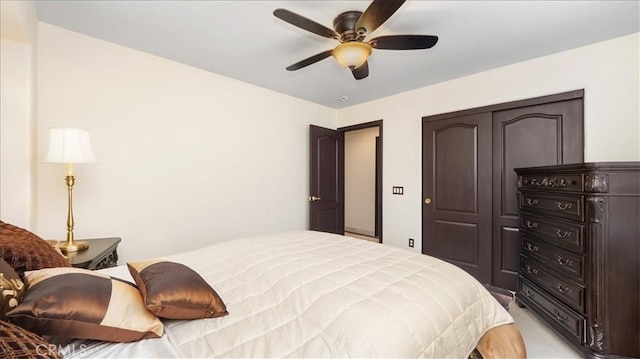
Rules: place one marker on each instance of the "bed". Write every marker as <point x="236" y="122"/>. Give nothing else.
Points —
<point x="313" y="294"/>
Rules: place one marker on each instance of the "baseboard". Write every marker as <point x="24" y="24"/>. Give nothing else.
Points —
<point x="499" y="290"/>
<point x="503" y="296"/>
<point x="360" y="231"/>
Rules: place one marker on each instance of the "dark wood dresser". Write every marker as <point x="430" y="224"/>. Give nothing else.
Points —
<point x="579" y="253"/>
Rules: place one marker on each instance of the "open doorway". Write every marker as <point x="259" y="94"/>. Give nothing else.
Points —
<point x="363" y="181"/>
<point x="327" y="179"/>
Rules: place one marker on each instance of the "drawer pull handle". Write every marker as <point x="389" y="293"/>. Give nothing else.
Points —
<point x="563" y="206"/>
<point x="532" y="248"/>
<point x="562" y="233"/>
<point x="532" y="202"/>
<point x="561" y="317"/>
<point x="529" y="293"/>
<point x="531" y="270"/>
<point x="530" y="224"/>
<point x="563" y="261"/>
<point x="550" y="182"/>
<point x="562" y="289"/>
<point x="559" y="183"/>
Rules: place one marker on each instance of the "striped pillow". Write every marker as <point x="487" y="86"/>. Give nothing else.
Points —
<point x="79" y="303"/>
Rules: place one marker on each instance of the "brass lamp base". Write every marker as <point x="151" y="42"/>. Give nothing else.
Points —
<point x="73" y="246"/>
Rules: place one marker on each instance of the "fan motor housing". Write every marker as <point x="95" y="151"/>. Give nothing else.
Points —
<point x="345" y="24"/>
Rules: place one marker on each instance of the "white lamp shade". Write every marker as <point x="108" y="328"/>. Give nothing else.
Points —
<point x="352" y="54"/>
<point x="69" y="145"/>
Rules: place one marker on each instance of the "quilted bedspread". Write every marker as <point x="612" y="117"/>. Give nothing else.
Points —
<point x="312" y="294"/>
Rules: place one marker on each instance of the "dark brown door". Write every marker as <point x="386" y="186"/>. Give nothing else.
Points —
<point x="462" y="149"/>
<point x="546" y="134"/>
<point x="326" y="209"/>
<point x="456" y="190"/>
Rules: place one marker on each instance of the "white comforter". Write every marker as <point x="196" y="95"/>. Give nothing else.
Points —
<point x="312" y="294"/>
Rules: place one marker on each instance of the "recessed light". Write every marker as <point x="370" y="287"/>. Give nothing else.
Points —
<point x="344" y="98"/>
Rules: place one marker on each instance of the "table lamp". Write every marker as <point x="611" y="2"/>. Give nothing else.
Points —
<point x="69" y="146"/>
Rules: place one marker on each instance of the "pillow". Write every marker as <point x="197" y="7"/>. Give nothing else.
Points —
<point x="175" y="291"/>
<point x="19" y="343"/>
<point x="79" y="303"/>
<point x="11" y="288"/>
<point x="25" y="251"/>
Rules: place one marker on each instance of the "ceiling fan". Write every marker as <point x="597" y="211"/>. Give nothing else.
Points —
<point x="350" y="29"/>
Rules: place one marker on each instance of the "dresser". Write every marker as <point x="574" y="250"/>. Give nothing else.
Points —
<point x="579" y="253"/>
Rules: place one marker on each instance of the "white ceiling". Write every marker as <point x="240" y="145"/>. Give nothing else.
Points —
<point x="244" y="41"/>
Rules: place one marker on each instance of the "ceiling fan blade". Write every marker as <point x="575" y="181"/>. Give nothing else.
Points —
<point x="309" y="60"/>
<point x="361" y="72"/>
<point x="306" y="24"/>
<point x="404" y="42"/>
<point x="377" y="13"/>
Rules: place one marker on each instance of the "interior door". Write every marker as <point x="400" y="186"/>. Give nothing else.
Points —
<point x="456" y="224"/>
<point x="540" y="135"/>
<point x="468" y="177"/>
<point x="326" y="200"/>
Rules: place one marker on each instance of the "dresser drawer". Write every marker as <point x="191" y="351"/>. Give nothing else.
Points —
<point x="552" y="310"/>
<point x="571" y="207"/>
<point x="563" y="234"/>
<point x="569" y="182"/>
<point x="565" y="262"/>
<point x="567" y="291"/>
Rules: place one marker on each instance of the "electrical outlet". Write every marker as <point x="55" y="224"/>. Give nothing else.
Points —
<point x="411" y="242"/>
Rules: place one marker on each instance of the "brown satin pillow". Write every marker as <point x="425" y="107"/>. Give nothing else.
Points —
<point x="175" y="291"/>
<point x="19" y="343"/>
<point x="25" y="251"/>
<point x="79" y="303"/>
<point x="11" y="288"/>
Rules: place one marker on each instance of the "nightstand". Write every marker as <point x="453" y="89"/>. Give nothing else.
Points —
<point x="102" y="253"/>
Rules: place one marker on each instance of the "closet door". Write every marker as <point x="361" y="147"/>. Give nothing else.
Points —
<point x="467" y="175"/>
<point x="456" y="224"/>
<point x="540" y="135"/>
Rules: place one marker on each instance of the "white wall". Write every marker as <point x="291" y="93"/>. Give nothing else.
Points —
<point x="186" y="157"/>
<point x="607" y="71"/>
<point x="360" y="180"/>
<point x="18" y="21"/>
<point x="18" y="37"/>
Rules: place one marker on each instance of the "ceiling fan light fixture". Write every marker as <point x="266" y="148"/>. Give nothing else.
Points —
<point x="352" y="54"/>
